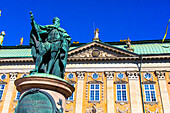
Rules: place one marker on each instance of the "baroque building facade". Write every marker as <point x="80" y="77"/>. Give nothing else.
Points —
<point x="109" y="77"/>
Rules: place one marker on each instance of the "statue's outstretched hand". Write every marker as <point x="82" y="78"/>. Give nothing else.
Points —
<point x="32" y="17"/>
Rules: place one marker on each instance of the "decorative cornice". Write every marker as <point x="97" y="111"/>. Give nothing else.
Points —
<point x="8" y="60"/>
<point x="2" y="82"/>
<point x="120" y="82"/>
<point x="93" y="101"/>
<point x="94" y="82"/>
<point x="148" y="82"/>
<point x="71" y="82"/>
<point x="151" y="103"/>
<point x="102" y="45"/>
<point x="102" y="58"/>
<point x="109" y="75"/>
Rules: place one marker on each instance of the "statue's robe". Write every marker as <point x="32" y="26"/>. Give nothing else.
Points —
<point x="46" y="40"/>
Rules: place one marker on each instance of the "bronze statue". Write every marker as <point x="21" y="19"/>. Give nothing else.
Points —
<point x="49" y="47"/>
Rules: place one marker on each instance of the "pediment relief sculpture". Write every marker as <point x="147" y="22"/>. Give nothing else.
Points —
<point x="99" y="50"/>
<point x="92" y="52"/>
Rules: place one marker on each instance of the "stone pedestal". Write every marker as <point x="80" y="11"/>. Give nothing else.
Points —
<point x="48" y="86"/>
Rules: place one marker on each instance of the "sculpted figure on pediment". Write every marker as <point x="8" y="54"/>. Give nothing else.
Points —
<point x="88" y="53"/>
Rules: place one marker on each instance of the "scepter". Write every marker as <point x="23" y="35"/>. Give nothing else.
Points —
<point x="36" y="30"/>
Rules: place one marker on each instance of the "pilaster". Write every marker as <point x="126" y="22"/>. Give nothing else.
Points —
<point x="79" y="96"/>
<point x="135" y="93"/>
<point x="110" y="92"/>
<point x="163" y="91"/>
<point x="10" y="89"/>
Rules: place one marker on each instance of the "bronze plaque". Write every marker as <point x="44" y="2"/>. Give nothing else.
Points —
<point x="35" y="102"/>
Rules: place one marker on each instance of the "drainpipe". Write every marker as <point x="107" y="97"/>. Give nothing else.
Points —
<point x="141" y="83"/>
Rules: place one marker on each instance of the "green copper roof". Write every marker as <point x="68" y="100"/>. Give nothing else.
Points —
<point x="7" y="53"/>
<point x="150" y="48"/>
<point x="154" y="48"/>
<point x="17" y="53"/>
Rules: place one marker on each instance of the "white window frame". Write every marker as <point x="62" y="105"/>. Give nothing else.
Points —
<point x="121" y="92"/>
<point x="2" y="90"/>
<point x="150" y="93"/>
<point x="94" y="92"/>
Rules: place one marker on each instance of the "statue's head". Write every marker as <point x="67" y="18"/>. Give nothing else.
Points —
<point x="56" y="21"/>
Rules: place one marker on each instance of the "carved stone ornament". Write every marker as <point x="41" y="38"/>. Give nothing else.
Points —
<point x="109" y="75"/>
<point x="148" y="76"/>
<point x="92" y="52"/>
<point x="132" y="75"/>
<point x="121" y="102"/>
<point x="121" y="111"/>
<point x="69" y="101"/>
<point x="151" y="103"/>
<point x="160" y="74"/>
<point x="94" y="109"/>
<point x="13" y="76"/>
<point x="68" y="110"/>
<point x="148" y="111"/>
<point x="80" y="75"/>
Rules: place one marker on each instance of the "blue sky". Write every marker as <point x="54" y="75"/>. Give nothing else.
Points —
<point x="116" y="19"/>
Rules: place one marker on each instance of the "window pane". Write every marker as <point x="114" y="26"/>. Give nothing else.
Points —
<point x="91" y="86"/>
<point x="97" y="86"/>
<point x="18" y="95"/>
<point x="1" y="93"/>
<point x="118" y="86"/>
<point x="124" y="96"/>
<point x="123" y="86"/>
<point x="118" y="95"/>
<point x="71" y="97"/>
<point x="97" y="95"/>
<point x="147" y="96"/>
<point x="146" y="87"/>
<point x="91" y="95"/>
<point x="2" y="86"/>
<point x="153" y="96"/>
<point x="151" y="87"/>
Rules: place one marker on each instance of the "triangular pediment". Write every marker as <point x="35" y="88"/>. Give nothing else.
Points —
<point x="99" y="50"/>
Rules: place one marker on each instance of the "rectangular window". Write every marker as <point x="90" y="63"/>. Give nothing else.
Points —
<point x="121" y="92"/>
<point x="72" y="96"/>
<point x="95" y="92"/>
<point x="2" y="86"/>
<point x="150" y="94"/>
<point x="17" y="95"/>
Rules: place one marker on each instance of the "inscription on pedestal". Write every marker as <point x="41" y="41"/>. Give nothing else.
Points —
<point x="35" y="102"/>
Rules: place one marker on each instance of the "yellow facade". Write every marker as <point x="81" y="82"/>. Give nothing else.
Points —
<point x="111" y="62"/>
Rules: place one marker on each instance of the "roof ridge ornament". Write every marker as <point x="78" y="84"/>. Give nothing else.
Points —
<point x="128" y="44"/>
<point x="96" y="35"/>
<point x="2" y="37"/>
